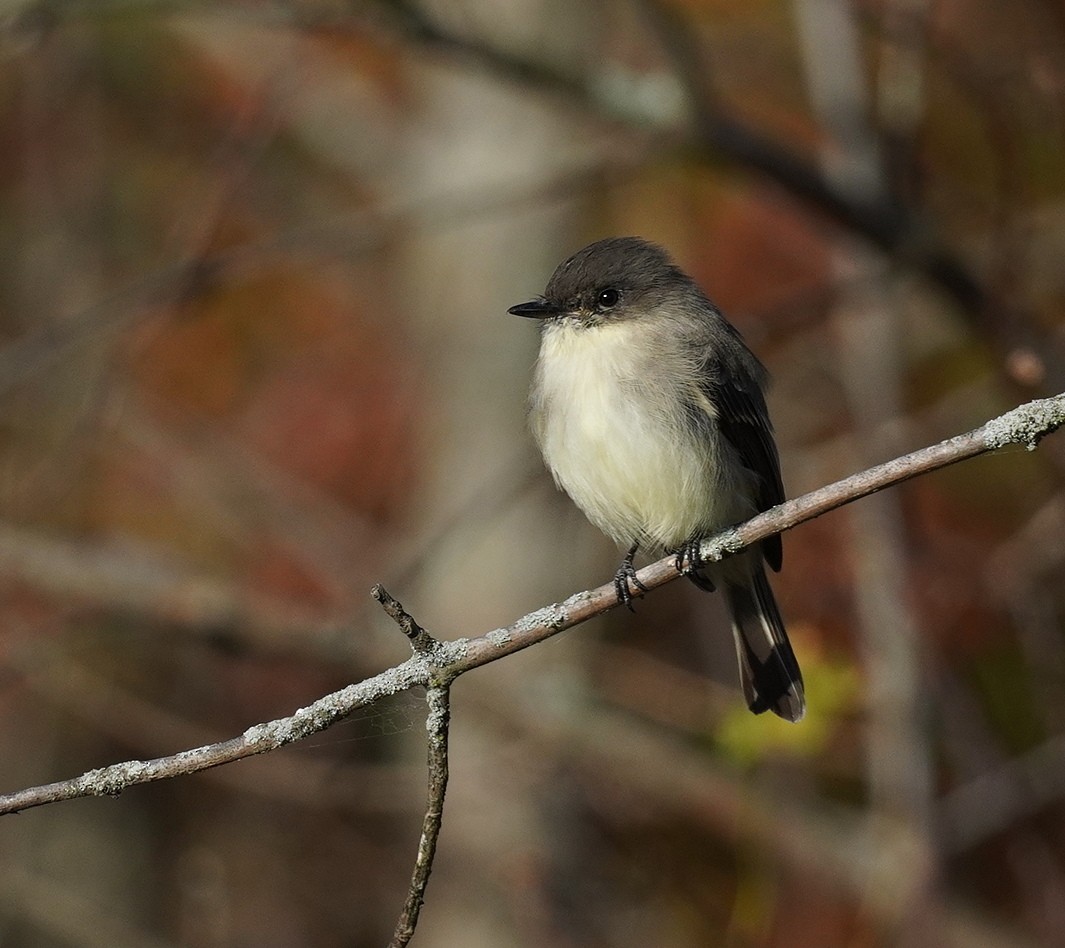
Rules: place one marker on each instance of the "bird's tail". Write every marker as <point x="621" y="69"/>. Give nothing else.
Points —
<point x="768" y="669"/>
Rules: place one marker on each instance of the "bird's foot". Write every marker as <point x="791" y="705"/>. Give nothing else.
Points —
<point x="690" y="563"/>
<point x="625" y="579"/>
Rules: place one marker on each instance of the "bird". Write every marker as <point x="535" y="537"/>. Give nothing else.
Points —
<point x="649" y="410"/>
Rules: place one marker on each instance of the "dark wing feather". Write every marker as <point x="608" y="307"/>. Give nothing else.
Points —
<point x="744" y="421"/>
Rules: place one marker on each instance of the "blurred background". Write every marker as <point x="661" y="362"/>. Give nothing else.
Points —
<point x="254" y="358"/>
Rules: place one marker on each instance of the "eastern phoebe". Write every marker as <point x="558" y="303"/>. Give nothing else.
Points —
<point x="647" y="406"/>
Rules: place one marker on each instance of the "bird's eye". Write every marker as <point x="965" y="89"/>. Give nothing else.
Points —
<point x="608" y="298"/>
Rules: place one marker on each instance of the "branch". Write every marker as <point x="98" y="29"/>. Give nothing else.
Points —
<point x="420" y="640"/>
<point x="438" y="663"/>
<point x="886" y="222"/>
<point x="717" y="135"/>
<point x="436" y="724"/>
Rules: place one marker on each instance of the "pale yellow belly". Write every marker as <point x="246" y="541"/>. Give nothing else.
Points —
<point x="638" y="474"/>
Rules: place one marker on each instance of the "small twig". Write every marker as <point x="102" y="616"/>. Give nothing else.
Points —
<point x="421" y="641"/>
<point x="438" y="698"/>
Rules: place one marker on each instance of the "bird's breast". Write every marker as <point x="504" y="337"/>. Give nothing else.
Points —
<point x="611" y="411"/>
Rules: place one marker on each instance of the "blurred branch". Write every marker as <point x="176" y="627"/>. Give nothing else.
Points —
<point x="992" y="801"/>
<point x="889" y="218"/>
<point x="885" y="222"/>
<point x="822" y="844"/>
<point x="867" y="326"/>
<point x="436" y="663"/>
<point x="884" y="217"/>
<point x="60" y="915"/>
<point x="196" y="274"/>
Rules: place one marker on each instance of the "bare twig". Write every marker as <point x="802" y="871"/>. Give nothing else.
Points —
<point x="421" y="641"/>
<point x="438" y="698"/>
<point x="445" y="661"/>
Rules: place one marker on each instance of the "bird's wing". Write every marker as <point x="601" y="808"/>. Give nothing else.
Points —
<point x="743" y="419"/>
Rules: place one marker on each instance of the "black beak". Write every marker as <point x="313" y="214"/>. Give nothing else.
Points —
<point x="536" y="309"/>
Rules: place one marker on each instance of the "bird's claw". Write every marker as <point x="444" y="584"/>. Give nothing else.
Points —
<point x="626" y="575"/>
<point x="690" y="563"/>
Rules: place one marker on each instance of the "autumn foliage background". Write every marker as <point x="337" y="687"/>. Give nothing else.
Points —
<point x="255" y="260"/>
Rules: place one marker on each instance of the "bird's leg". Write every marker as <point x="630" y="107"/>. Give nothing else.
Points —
<point x="690" y="562"/>
<point x="626" y="573"/>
